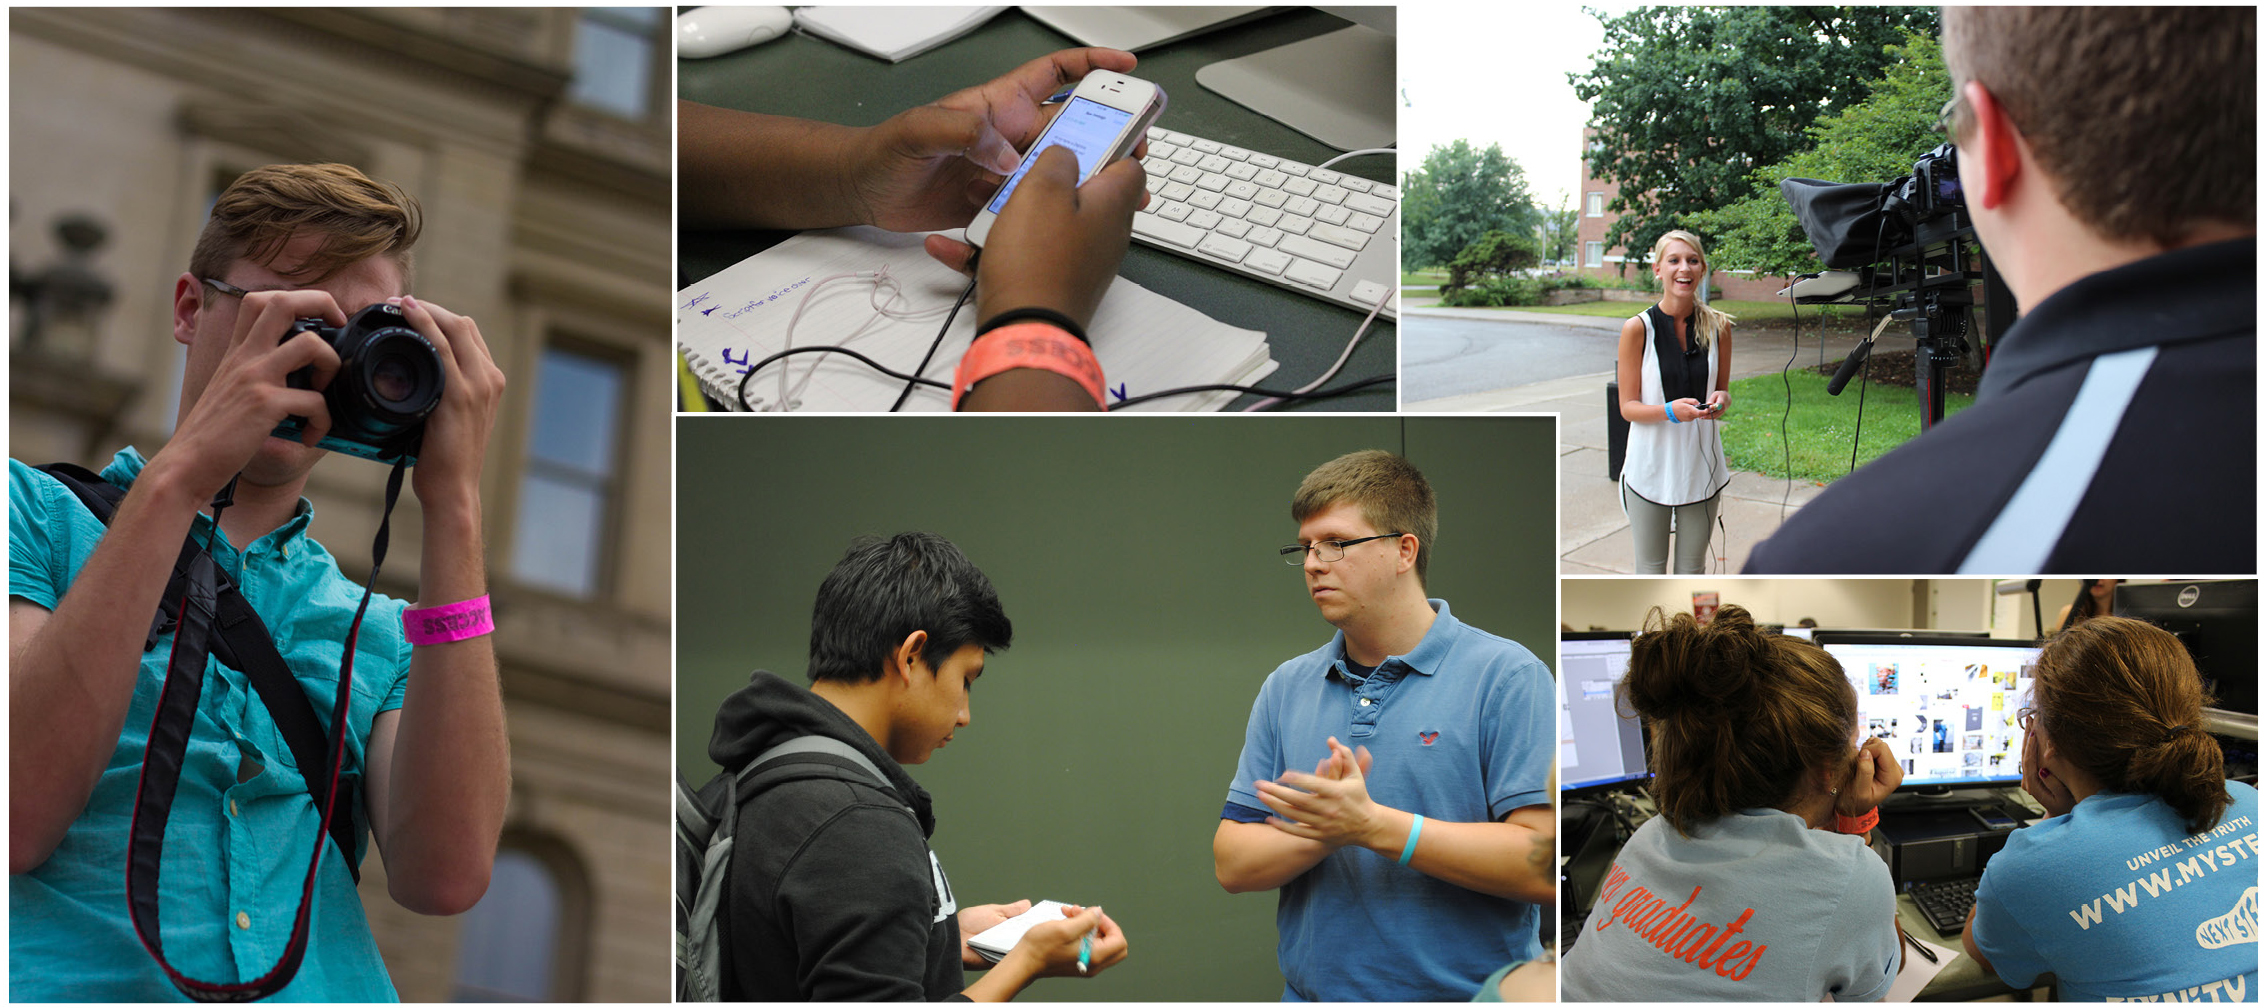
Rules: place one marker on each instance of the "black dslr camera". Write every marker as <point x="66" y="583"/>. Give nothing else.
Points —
<point x="389" y="378"/>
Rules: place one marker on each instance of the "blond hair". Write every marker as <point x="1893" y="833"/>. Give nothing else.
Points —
<point x="259" y="213"/>
<point x="1392" y="495"/>
<point x="1708" y="320"/>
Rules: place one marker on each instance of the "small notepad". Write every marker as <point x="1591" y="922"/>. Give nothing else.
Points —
<point x="995" y="943"/>
<point x="730" y="321"/>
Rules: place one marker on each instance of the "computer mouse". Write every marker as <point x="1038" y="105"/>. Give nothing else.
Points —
<point x="713" y="31"/>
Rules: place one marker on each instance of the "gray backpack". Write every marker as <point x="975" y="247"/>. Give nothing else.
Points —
<point x="705" y="821"/>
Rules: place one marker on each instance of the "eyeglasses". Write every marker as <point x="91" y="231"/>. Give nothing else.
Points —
<point x="2024" y="717"/>
<point x="1329" y="550"/>
<point x="223" y="286"/>
<point x="1946" y="120"/>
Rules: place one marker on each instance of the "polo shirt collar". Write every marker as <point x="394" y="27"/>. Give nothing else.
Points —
<point x="1428" y="655"/>
<point x="127" y="465"/>
<point x="2204" y="292"/>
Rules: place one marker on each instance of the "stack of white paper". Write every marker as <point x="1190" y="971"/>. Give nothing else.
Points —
<point x="732" y="320"/>
<point x="892" y="33"/>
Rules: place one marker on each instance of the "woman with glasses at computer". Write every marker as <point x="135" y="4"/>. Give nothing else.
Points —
<point x="1674" y="372"/>
<point x="1753" y="882"/>
<point x="2142" y="882"/>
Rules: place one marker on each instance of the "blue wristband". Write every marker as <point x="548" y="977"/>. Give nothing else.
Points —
<point x="1408" y="853"/>
<point x="1670" y="407"/>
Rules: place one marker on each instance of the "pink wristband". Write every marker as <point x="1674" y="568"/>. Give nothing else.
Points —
<point x="452" y="622"/>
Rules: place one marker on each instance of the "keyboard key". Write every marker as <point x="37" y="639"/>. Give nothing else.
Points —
<point x="1359" y="185"/>
<point x="1204" y="219"/>
<point x="1294" y="224"/>
<point x="1324" y="176"/>
<point x="1303" y="246"/>
<point x="1233" y="228"/>
<point x="1241" y="190"/>
<point x="1175" y="190"/>
<point x="1370" y="205"/>
<point x="1204" y="198"/>
<point x="1185" y="173"/>
<point x="1175" y="211"/>
<point x="1212" y="181"/>
<point x="1301" y="186"/>
<point x="1271" y="179"/>
<point x="1334" y="235"/>
<point x="1161" y="150"/>
<point x="1208" y="146"/>
<point x="1224" y="248"/>
<point x="1185" y="156"/>
<point x="1368" y="292"/>
<point x="1272" y="197"/>
<point x="1264" y="216"/>
<point x="1388" y="192"/>
<point x="1334" y="215"/>
<point x="1363" y="222"/>
<point x="1158" y="132"/>
<point x="1233" y="207"/>
<point x="1264" y="160"/>
<point x="1291" y="168"/>
<point x="1242" y="170"/>
<point x="1173" y="232"/>
<point x="1266" y="261"/>
<point x="1213" y="163"/>
<point x="1173" y="136"/>
<point x="1330" y="194"/>
<point x="1233" y="153"/>
<point x="1264" y="236"/>
<point x="1301" y="205"/>
<point x="1156" y="183"/>
<point x="1312" y="274"/>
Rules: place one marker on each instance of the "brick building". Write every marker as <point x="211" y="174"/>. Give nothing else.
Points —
<point x="538" y="143"/>
<point x="1592" y="258"/>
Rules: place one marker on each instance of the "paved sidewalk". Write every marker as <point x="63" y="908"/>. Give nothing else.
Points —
<point x="1593" y="534"/>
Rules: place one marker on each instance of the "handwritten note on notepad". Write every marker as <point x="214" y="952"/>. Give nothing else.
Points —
<point x="732" y="320"/>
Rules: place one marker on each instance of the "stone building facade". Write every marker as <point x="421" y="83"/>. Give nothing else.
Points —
<point x="538" y="141"/>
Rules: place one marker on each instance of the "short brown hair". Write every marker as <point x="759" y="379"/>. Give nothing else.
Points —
<point x="1392" y="495"/>
<point x="1736" y="715"/>
<point x="2145" y="117"/>
<point x="258" y="214"/>
<point x="2121" y="699"/>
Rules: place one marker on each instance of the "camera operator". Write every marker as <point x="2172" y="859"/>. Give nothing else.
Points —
<point x="424" y="743"/>
<point x="2108" y="158"/>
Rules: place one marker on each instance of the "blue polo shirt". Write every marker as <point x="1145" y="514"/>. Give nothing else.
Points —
<point x="1461" y="730"/>
<point x="242" y="824"/>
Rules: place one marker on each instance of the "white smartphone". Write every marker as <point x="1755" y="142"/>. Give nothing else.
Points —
<point x="1103" y="120"/>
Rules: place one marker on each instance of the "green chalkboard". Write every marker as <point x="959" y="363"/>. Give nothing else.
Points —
<point x="1136" y="558"/>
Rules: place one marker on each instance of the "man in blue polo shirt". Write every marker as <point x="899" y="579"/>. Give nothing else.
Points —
<point x="1415" y="865"/>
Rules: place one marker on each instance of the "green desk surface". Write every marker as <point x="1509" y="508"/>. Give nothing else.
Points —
<point x="809" y="77"/>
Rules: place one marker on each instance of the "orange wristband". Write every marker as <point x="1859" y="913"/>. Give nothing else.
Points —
<point x="1855" y="824"/>
<point x="1028" y="345"/>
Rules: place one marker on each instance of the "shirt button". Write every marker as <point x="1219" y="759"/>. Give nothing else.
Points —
<point x="231" y="806"/>
<point x="1365" y="701"/>
<point x="243" y="920"/>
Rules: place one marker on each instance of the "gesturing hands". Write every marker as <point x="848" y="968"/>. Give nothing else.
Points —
<point x="1331" y="804"/>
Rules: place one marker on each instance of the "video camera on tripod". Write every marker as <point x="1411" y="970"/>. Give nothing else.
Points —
<point x="1903" y="247"/>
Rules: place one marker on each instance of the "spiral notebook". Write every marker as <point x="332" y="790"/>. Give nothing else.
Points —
<point x="877" y="292"/>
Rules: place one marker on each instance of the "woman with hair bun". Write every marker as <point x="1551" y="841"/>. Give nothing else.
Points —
<point x="1753" y="882"/>
<point x="2142" y="884"/>
<point x="1674" y="372"/>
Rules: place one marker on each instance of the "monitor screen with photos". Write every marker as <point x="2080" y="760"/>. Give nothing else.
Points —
<point x="1595" y="745"/>
<point x="1945" y="706"/>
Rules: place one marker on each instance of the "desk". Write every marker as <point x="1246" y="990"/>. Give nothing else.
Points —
<point x="803" y="76"/>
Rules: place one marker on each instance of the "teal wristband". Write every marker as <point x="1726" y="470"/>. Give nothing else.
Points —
<point x="1408" y="853"/>
<point x="1670" y="407"/>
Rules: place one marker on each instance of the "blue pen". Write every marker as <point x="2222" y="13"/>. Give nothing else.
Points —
<point x="1085" y="952"/>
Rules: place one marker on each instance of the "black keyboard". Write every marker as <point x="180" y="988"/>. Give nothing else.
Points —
<point x="1945" y="903"/>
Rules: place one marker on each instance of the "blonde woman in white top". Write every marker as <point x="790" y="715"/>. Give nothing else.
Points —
<point x="1674" y="387"/>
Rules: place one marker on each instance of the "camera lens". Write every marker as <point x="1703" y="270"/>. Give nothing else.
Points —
<point x="399" y="376"/>
<point x="393" y="380"/>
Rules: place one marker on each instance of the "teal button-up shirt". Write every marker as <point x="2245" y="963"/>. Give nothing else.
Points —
<point x="242" y="824"/>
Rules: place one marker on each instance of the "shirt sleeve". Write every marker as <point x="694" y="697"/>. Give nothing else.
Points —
<point x="32" y="549"/>
<point x="1867" y="917"/>
<point x="1998" y="932"/>
<point x="1261" y="756"/>
<point x="859" y="907"/>
<point x="1521" y="738"/>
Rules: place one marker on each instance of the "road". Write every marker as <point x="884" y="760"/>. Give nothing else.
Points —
<point x="1458" y="356"/>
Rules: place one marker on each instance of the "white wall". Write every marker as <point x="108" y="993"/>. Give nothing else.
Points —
<point x="1620" y="603"/>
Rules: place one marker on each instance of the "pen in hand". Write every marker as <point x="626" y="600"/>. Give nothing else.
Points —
<point x="1084" y="953"/>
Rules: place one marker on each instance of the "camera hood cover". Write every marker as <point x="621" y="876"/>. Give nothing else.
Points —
<point x="1848" y="222"/>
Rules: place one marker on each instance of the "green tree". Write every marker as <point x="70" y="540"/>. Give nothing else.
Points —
<point x="1458" y="195"/>
<point x="1686" y="102"/>
<point x="1873" y="141"/>
<point x="1558" y="229"/>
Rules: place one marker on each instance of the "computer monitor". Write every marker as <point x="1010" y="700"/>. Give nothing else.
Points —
<point x="2216" y="620"/>
<point x="1945" y="705"/>
<point x="1595" y="745"/>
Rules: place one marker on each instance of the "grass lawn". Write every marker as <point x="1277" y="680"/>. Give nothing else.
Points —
<point x="1822" y="426"/>
<point x="1426" y="278"/>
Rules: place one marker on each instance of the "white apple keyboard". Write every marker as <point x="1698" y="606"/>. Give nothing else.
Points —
<point x="1321" y="233"/>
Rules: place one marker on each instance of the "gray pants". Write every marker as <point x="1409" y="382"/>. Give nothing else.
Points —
<point x="1694" y="524"/>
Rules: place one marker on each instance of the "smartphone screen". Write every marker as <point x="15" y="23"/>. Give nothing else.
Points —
<point x="1087" y="127"/>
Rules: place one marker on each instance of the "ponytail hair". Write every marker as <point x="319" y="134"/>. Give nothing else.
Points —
<point x="1736" y="715"/>
<point x="1706" y="320"/>
<point x="2122" y="700"/>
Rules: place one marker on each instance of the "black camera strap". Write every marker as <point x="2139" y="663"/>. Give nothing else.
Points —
<point x="242" y="643"/>
<point x="196" y="616"/>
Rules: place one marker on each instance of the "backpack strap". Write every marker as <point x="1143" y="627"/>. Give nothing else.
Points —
<point x="242" y="642"/>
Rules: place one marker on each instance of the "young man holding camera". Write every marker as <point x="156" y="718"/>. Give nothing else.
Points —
<point x="832" y="893"/>
<point x="1413" y="873"/>
<point x="424" y="748"/>
<point x="2108" y="158"/>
